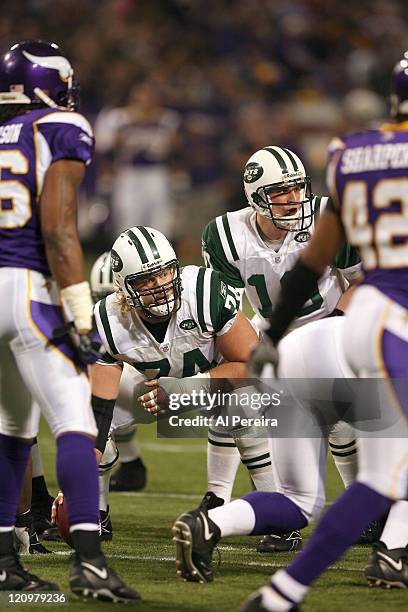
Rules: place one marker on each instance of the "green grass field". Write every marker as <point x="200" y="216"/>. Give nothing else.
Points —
<point x="143" y="553"/>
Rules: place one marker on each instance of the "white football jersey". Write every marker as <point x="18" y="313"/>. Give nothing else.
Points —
<point x="232" y="244"/>
<point x="208" y="309"/>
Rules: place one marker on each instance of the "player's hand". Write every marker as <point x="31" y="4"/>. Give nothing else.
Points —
<point x="264" y="360"/>
<point x="149" y="399"/>
<point x="86" y="347"/>
<point x="57" y="502"/>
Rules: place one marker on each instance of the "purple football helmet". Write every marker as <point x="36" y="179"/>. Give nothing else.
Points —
<point x="37" y="73"/>
<point x="399" y="88"/>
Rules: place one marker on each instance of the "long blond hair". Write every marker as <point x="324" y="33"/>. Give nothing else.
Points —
<point x="122" y="301"/>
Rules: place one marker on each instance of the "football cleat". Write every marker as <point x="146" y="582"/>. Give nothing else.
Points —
<point x="106" y="530"/>
<point x="14" y="577"/>
<point x="36" y="548"/>
<point x="210" y="501"/>
<point x="52" y="534"/>
<point x="131" y="476"/>
<point x="280" y="542"/>
<point x="95" y="579"/>
<point x="387" y="568"/>
<point x="256" y="603"/>
<point x="195" y="536"/>
<point x="26" y="542"/>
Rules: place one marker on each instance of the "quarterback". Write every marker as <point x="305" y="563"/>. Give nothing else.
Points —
<point x="255" y="248"/>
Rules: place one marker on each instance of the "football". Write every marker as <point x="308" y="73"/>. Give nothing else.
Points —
<point x="63" y="523"/>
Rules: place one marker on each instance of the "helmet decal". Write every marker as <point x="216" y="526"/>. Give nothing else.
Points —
<point x="55" y="62"/>
<point x="253" y="172"/>
<point x="116" y="262"/>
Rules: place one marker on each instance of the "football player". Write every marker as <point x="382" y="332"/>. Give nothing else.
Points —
<point x="255" y="248"/>
<point x="44" y="148"/>
<point x="131" y="475"/>
<point x="175" y="327"/>
<point x="368" y="177"/>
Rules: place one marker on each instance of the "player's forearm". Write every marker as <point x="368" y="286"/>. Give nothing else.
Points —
<point x="233" y="369"/>
<point x="65" y="257"/>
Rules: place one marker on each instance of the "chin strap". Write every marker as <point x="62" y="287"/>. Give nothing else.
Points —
<point x="46" y="99"/>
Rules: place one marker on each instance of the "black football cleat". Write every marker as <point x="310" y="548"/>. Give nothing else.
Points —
<point x="36" y="548"/>
<point x="210" y="501"/>
<point x="280" y="542"/>
<point x="195" y="536"/>
<point x="130" y="476"/>
<point x="52" y="534"/>
<point x="388" y="568"/>
<point x="255" y="603"/>
<point x="14" y="577"/>
<point x="95" y="579"/>
<point x="106" y="530"/>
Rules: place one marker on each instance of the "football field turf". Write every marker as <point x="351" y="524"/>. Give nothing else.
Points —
<point x="143" y="553"/>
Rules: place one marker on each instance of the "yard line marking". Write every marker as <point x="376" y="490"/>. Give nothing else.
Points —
<point x="342" y="568"/>
<point x="156" y="494"/>
<point x="173" y="448"/>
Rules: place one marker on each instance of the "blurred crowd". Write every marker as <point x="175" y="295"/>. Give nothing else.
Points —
<point x="221" y="78"/>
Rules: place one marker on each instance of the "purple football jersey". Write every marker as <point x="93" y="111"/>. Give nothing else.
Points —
<point x="371" y="184"/>
<point x="29" y="144"/>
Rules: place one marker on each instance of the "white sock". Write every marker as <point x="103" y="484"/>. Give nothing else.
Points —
<point x="395" y="532"/>
<point x="38" y="469"/>
<point x="104" y="479"/>
<point x="342" y="443"/>
<point x="289" y="587"/>
<point x="256" y="457"/>
<point x="222" y="463"/>
<point x="235" y="518"/>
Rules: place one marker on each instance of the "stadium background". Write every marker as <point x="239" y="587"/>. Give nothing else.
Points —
<point x="242" y="74"/>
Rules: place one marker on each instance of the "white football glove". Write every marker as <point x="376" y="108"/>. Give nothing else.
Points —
<point x="264" y="360"/>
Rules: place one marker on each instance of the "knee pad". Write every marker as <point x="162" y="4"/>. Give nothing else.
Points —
<point x="110" y="456"/>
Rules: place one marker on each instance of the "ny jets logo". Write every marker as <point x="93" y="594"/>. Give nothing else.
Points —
<point x="3" y="576"/>
<point x="394" y="564"/>
<point x="302" y="236"/>
<point x="253" y="172"/>
<point x="207" y="534"/>
<point x="101" y="573"/>
<point x="188" y="324"/>
<point x="116" y="261"/>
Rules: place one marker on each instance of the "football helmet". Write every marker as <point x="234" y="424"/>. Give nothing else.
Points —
<point x="36" y="72"/>
<point x="399" y="88"/>
<point x="140" y="255"/>
<point x="274" y="169"/>
<point x="102" y="277"/>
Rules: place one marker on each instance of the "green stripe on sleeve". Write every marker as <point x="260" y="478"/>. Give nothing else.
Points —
<point x="215" y="300"/>
<point x="106" y="326"/>
<point x="229" y="237"/>
<point x="138" y="245"/>
<point x="200" y="299"/>
<point x="150" y="241"/>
